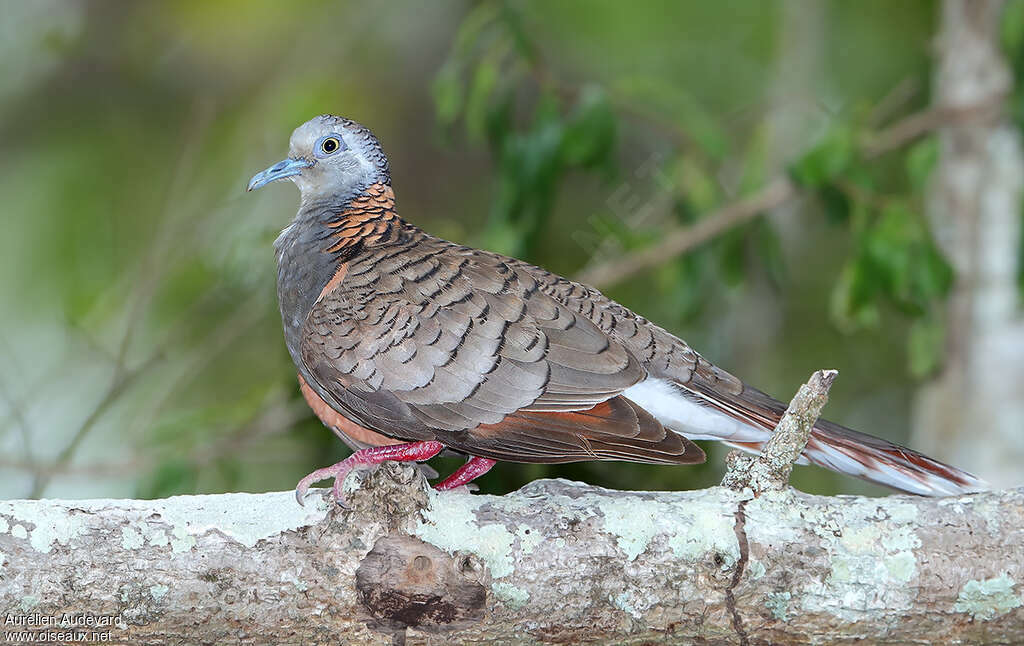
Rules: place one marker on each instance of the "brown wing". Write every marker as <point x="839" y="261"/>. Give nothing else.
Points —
<point x="434" y="340"/>
<point x="616" y="429"/>
<point x="660" y="352"/>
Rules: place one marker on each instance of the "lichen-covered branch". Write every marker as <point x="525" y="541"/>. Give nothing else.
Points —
<point x="772" y="467"/>
<point x="555" y="562"/>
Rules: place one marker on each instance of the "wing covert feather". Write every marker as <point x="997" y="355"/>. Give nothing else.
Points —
<point x="457" y="339"/>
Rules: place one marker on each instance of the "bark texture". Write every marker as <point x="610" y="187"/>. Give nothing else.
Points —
<point x="975" y="410"/>
<point x="772" y="467"/>
<point x="555" y="562"/>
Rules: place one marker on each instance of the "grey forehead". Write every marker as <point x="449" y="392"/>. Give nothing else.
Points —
<point x="355" y="134"/>
<point x="309" y="132"/>
<point x="306" y="135"/>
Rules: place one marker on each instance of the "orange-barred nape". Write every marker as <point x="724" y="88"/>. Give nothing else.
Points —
<point x="368" y="219"/>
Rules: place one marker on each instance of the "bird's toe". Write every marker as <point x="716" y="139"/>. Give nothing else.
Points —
<point x="336" y="471"/>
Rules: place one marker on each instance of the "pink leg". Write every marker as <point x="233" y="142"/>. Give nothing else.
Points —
<point x="471" y="470"/>
<point x="412" y="452"/>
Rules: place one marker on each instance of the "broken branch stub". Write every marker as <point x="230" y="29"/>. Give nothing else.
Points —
<point x="772" y="467"/>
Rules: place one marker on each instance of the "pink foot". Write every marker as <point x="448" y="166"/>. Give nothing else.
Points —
<point x="412" y="452"/>
<point x="471" y="470"/>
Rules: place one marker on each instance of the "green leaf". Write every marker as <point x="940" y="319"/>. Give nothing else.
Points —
<point x="826" y="161"/>
<point x="889" y="246"/>
<point x="1012" y="28"/>
<point x="472" y="28"/>
<point x="835" y="204"/>
<point x="911" y="269"/>
<point x="697" y="185"/>
<point x="853" y="303"/>
<point x="447" y="92"/>
<point x="608" y="225"/>
<point x="485" y="79"/>
<point x="934" y="275"/>
<point x="590" y="131"/>
<point x="498" y="123"/>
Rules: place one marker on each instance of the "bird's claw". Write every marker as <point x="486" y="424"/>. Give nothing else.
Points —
<point x="339" y="497"/>
<point x="337" y="471"/>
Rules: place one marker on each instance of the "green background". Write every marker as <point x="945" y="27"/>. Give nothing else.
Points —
<point x="140" y="341"/>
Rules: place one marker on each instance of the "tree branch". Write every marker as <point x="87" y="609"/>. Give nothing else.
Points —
<point x="772" y="467"/>
<point x="676" y="242"/>
<point x="555" y="562"/>
<point x="777" y="192"/>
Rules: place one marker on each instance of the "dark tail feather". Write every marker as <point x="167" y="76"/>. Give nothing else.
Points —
<point x="847" y="451"/>
<point x="877" y="460"/>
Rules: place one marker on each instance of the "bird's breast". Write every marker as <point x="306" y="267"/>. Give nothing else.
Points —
<point x="303" y="273"/>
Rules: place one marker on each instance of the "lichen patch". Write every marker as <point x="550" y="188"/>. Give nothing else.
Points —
<point x="692" y="527"/>
<point x="49" y="524"/>
<point x="131" y="539"/>
<point x="529" y="538"/>
<point x="988" y="598"/>
<point x="453" y="526"/>
<point x="515" y="598"/>
<point x="870" y="542"/>
<point x="245" y="518"/>
<point x="778" y="604"/>
<point x="158" y="591"/>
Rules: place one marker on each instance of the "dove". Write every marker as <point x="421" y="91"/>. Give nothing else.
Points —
<point x="407" y="345"/>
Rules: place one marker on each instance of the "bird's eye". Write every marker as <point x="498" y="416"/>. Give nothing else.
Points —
<point x="330" y="145"/>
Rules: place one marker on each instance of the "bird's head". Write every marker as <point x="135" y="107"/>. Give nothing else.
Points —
<point x="329" y="156"/>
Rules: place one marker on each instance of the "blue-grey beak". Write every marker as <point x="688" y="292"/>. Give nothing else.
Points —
<point x="280" y="170"/>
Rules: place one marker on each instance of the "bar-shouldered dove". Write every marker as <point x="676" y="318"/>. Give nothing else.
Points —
<point x="407" y="344"/>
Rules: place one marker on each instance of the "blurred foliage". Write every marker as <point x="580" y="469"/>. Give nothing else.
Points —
<point x="894" y="260"/>
<point x="142" y="348"/>
<point x="496" y="83"/>
<point x="1013" y="44"/>
<point x="557" y="128"/>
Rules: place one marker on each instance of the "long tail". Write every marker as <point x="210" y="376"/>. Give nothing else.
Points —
<point x="876" y="460"/>
<point x="746" y="419"/>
